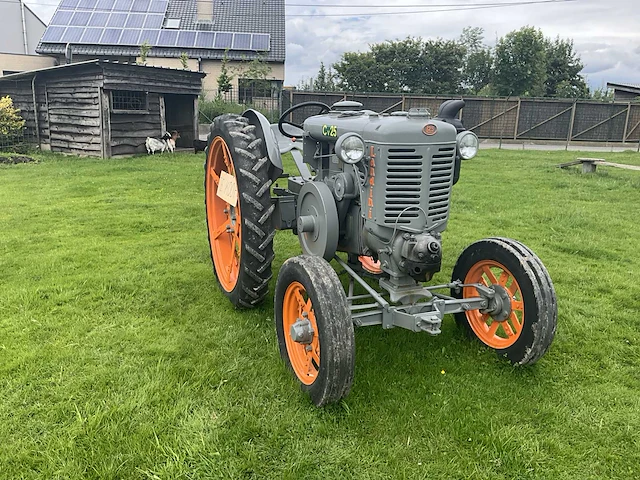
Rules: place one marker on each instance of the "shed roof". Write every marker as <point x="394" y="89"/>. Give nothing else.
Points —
<point x="88" y="26"/>
<point x="136" y="71"/>
<point x="627" y="87"/>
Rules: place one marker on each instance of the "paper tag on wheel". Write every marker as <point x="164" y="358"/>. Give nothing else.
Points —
<point x="228" y="188"/>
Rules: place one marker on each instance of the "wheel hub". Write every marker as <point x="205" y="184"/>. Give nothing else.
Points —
<point x="500" y="305"/>
<point x="302" y="331"/>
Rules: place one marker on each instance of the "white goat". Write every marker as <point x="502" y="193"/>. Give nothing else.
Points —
<point x="165" y="143"/>
<point x="171" y="141"/>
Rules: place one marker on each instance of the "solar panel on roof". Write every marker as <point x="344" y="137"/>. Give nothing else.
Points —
<point x="105" y="5"/>
<point x="111" y="36"/>
<point x="122" y="5"/>
<point x="149" y="36"/>
<point x="62" y="17"/>
<point x="168" y="38"/>
<point x="205" y="40"/>
<point x="223" y="40"/>
<point x="69" y="3"/>
<point x="140" y="5"/>
<point x="260" y="41"/>
<point x="53" y="34"/>
<point x="98" y="19"/>
<point x="117" y="20"/>
<point x="130" y="37"/>
<point x="91" y="35"/>
<point x="88" y="4"/>
<point x="186" y="38"/>
<point x="153" y="21"/>
<point x="135" y="20"/>
<point x="80" y="19"/>
<point x="242" y="41"/>
<point x="72" y="34"/>
<point x="158" y="6"/>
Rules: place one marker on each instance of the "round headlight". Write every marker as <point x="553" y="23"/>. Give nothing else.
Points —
<point x="350" y="148"/>
<point x="467" y="145"/>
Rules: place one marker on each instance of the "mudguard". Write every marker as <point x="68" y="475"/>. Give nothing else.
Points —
<point x="263" y="130"/>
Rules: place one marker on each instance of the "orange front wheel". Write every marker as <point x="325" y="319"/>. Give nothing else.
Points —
<point x="314" y="328"/>
<point x="523" y="326"/>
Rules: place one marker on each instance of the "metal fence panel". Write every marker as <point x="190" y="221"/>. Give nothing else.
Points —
<point x="506" y="118"/>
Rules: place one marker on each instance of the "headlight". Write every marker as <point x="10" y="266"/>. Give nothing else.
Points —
<point x="467" y="145"/>
<point x="350" y="148"/>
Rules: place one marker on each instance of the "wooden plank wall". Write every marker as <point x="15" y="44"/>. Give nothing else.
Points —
<point x="74" y="114"/>
<point x="20" y="93"/>
<point x="129" y="131"/>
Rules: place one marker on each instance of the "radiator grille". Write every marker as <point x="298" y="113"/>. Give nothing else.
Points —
<point x="440" y="184"/>
<point x="404" y="183"/>
<point x="405" y="189"/>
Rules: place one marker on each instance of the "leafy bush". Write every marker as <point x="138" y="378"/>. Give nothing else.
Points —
<point x="11" y="123"/>
<point x="210" y="109"/>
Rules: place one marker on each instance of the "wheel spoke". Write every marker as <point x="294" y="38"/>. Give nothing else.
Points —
<point x="300" y="299"/>
<point x="214" y="175"/>
<point x="504" y="277"/>
<point x="517" y="305"/>
<point x="493" y="327"/>
<point x="224" y="228"/>
<point x="487" y="271"/>
<point x="516" y="323"/>
<point x="507" y="328"/>
<point x="513" y="288"/>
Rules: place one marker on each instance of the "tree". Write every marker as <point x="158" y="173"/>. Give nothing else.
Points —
<point x="324" y="82"/>
<point x="410" y="65"/>
<point x="478" y="60"/>
<point x="563" y="71"/>
<point x="225" y="78"/>
<point x="521" y="63"/>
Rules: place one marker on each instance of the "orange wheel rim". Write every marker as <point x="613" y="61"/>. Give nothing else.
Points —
<point x="305" y="359"/>
<point x="496" y="334"/>
<point x="223" y="219"/>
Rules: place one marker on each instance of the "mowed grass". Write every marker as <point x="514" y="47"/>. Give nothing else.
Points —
<point x="120" y="357"/>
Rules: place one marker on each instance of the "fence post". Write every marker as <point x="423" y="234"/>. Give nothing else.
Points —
<point x="626" y="124"/>
<point x="403" y="100"/>
<point x="573" y="118"/>
<point x="515" y="130"/>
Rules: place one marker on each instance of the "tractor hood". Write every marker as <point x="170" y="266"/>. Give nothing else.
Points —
<point x="400" y="128"/>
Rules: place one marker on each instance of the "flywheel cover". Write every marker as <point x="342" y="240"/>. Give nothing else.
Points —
<point x="317" y="207"/>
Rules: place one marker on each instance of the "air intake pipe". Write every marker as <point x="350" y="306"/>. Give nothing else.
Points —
<point x="448" y="112"/>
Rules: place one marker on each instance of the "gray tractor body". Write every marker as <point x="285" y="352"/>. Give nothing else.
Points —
<point x="392" y="205"/>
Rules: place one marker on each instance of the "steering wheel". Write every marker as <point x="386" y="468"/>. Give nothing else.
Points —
<point x="282" y="121"/>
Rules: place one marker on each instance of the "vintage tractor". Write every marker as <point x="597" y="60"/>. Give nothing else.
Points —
<point x="377" y="188"/>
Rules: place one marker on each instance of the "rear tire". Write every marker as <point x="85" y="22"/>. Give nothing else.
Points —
<point x="527" y="333"/>
<point x="309" y="288"/>
<point x="240" y="235"/>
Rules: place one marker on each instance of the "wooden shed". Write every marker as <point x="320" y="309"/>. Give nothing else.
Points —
<point x="103" y="109"/>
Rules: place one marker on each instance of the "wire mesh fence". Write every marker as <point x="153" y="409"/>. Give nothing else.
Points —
<point x="506" y="119"/>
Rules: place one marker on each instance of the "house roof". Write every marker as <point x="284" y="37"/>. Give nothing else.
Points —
<point x="627" y="87"/>
<point x="244" y="28"/>
<point x="100" y="63"/>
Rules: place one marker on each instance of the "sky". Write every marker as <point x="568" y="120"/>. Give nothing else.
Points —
<point x="606" y="33"/>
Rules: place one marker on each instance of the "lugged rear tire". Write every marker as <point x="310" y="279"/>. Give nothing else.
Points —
<point x="526" y="335"/>
<point x="240" y="236"/>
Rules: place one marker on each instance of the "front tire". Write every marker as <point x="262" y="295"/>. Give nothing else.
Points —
<point x="240" y="230"/>
<point x="309" y="291"/>
<point x="526" y="334"/>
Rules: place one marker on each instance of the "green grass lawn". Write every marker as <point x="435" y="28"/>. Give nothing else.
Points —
<point x="120" y="358"/>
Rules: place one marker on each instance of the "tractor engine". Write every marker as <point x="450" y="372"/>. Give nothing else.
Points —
<point x="390" y="178"/>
